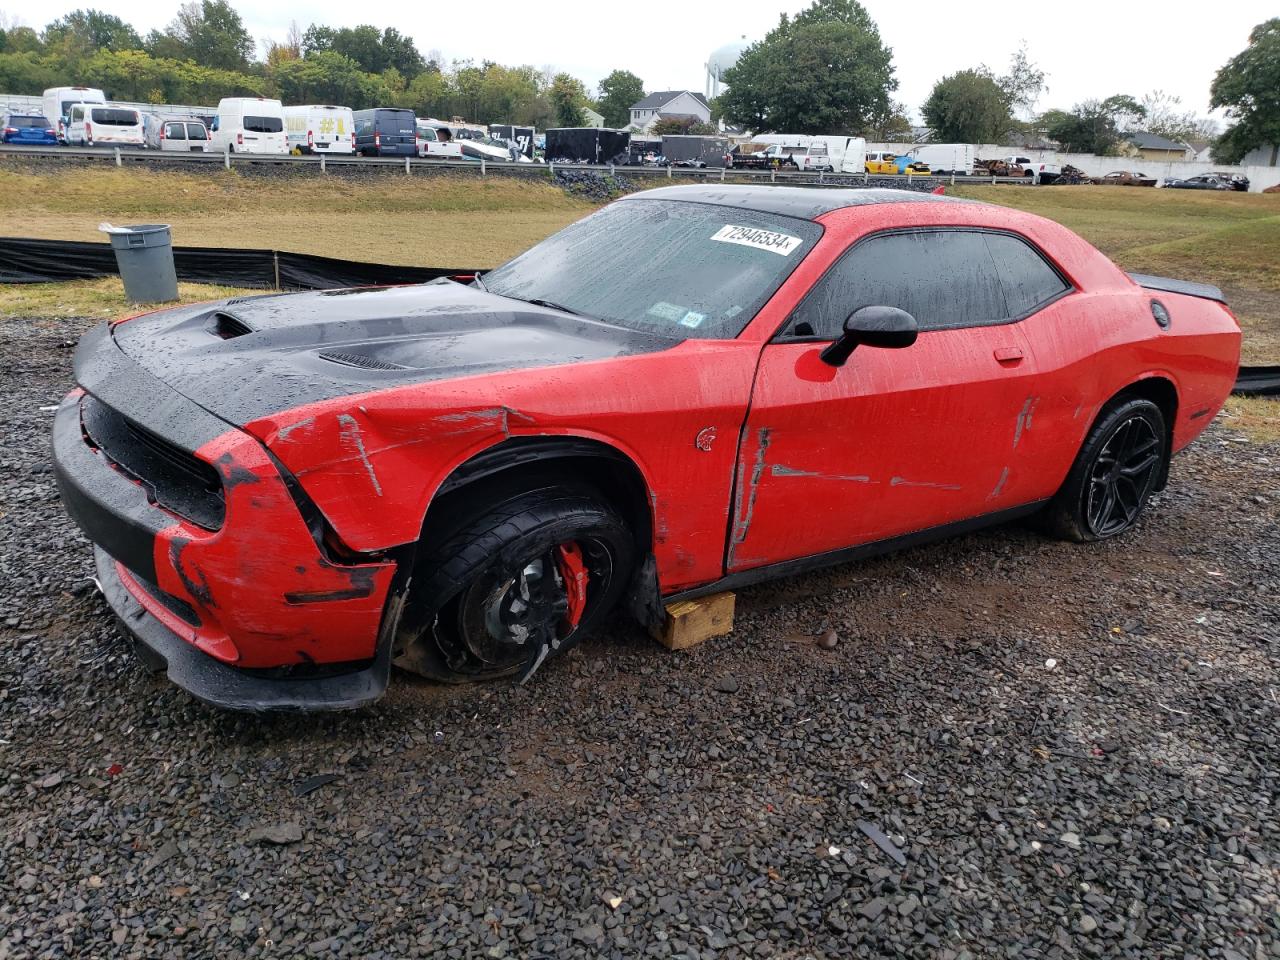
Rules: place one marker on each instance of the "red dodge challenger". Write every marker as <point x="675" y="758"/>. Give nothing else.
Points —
<point x="693" y="389"/>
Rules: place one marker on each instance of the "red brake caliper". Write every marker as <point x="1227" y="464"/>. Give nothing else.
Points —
<point x="574" y="572"/>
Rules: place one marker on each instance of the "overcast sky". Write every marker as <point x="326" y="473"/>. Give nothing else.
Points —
<point x="1090" y="49"/>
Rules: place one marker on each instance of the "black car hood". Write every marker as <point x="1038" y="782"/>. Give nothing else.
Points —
<point x="249" y="357"/>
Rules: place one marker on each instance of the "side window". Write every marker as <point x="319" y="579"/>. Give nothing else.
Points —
<point x="942" y="278"/>
<point x="1029" y="282"/>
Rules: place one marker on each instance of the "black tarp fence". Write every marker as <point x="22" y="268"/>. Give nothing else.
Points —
<point x="45" y="261"/>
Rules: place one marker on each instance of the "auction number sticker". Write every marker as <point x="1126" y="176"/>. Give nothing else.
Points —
<point x="779" y="243"/>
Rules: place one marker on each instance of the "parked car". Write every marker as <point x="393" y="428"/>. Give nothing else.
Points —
<point x="386" y="132"/>
<point x="1205" y="181"/>
<point x="178" y="134"/>
<point x="287" y="493"/>
<point x="1125" y="178"/>
<point x="320" y="128"/>
<point x="1238" y="181"/>
<point x="248" y="125"/>
<point x="57" y="103"/>
<point x="880" y="161"/>
<point x="26" y="128"/>
<point x="98" y="125"/>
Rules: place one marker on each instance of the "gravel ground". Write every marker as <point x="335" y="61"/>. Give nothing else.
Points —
<point x="1070" y="752"/>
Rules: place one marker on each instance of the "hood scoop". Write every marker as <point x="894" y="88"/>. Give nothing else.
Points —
<point x="227" y="326"/>
<point x="361" y="360"/>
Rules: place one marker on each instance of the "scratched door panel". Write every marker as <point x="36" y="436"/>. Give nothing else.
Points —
<point x="893" y="442"/>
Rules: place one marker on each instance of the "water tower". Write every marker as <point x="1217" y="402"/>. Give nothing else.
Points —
<point x="720" y="60"/>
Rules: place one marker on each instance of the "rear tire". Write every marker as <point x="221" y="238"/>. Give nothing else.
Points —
<point x="481" y="600"/>
<point x="1119" y="466"/>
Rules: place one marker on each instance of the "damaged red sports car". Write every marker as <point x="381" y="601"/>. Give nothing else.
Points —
<point x="692" y="389"/>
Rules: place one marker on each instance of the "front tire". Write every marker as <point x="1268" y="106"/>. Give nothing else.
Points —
<point x="518" y="581"/>
<point x="1115" y="473"/>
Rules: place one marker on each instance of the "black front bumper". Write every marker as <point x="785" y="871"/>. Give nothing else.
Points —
<point x="225" y="686"/>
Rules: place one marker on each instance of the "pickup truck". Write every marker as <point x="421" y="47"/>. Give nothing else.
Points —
<point x="772" y="157"/>
<point x="1042" y="172"/>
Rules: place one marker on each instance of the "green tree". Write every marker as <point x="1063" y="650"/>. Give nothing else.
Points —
<point x="1094" y="126"/>
<point x="968" y="107"/>
<point x="29" y="73"/>
<point x="208" y="32"/>
<point x="1248" y="88"/>
<point x="372" y="49"/>
<point x="568" y="98"/>
<point x="23" y="40"/>
<point x="82" y="33"/>
<point x="618" y="91"/>
<point x="826" y="70"/>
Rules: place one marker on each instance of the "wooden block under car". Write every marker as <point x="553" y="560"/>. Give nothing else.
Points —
<point x="689" y="622"/>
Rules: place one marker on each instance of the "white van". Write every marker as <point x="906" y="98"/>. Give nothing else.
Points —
<point x="99" y="125"/>
<point x="946" y="158"/>
<point x="181" y="134"/>
<point x="56" y="104"/>
<point x="833" y="155"/>
<point x="248" y="125"/>
<point x="313" y="128"/>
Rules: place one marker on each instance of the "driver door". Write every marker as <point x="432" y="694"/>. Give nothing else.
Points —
<point x="896" y="440"/>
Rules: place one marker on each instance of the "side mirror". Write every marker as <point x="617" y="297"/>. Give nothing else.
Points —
<point x="886" y="327"/>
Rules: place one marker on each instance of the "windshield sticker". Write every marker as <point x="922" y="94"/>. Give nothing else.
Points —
<point x="692" y="319"/>
<point x="667" y="311"/>
<point x="779" y="243"/>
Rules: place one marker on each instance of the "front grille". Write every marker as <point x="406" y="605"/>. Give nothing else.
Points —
<point x="174" y="479"/>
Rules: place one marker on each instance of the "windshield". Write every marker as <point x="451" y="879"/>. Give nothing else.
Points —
<point x="662" y="266"/>
<point x="263" y="124"/>
<point x="115" y="118"/>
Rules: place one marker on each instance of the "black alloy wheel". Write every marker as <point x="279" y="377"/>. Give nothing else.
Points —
<point x="1122" y="477"/>
<point x="1123" y="461"/>
<point x="514" y="584"/>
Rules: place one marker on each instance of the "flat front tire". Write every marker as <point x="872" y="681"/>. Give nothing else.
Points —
<point x="519" y="581"/>
<point x="1114" y="475"/>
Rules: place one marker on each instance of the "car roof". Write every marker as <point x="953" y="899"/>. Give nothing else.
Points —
<point x="807" y="203"/>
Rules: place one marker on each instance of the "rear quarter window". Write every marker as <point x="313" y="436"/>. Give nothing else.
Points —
<point x="1029" y="281"/>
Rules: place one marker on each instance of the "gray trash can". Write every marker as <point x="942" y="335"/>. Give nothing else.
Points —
<point x="145" y="256"/>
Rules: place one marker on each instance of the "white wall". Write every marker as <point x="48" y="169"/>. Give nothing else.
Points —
<point x="1260" y="177"/>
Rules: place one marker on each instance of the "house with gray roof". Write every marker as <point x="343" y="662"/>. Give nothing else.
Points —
<point x="676" y="104"/>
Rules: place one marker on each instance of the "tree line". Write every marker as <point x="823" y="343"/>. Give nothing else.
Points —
<point x="206" y="53"/>
<point x="827" y="69"/>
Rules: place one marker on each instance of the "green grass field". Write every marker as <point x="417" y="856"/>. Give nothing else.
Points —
<point x="1232" y="240"/>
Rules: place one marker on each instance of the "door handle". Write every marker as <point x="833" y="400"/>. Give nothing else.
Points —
<point x="1010" y="355"/>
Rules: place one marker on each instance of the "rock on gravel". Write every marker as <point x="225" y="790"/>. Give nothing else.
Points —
<point x="1156" y="742"/>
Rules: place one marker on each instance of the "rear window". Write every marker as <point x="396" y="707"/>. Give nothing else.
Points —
<point x="426" y="133"/>
<point x="28" y="122"/>
<point x="110" y="117"/>
<point x="263" y="124"/>
<point x="196" y="131"/>
<point x="175" y="131"/>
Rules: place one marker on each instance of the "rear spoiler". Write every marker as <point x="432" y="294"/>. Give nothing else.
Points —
<point x="1204" y="291"/>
